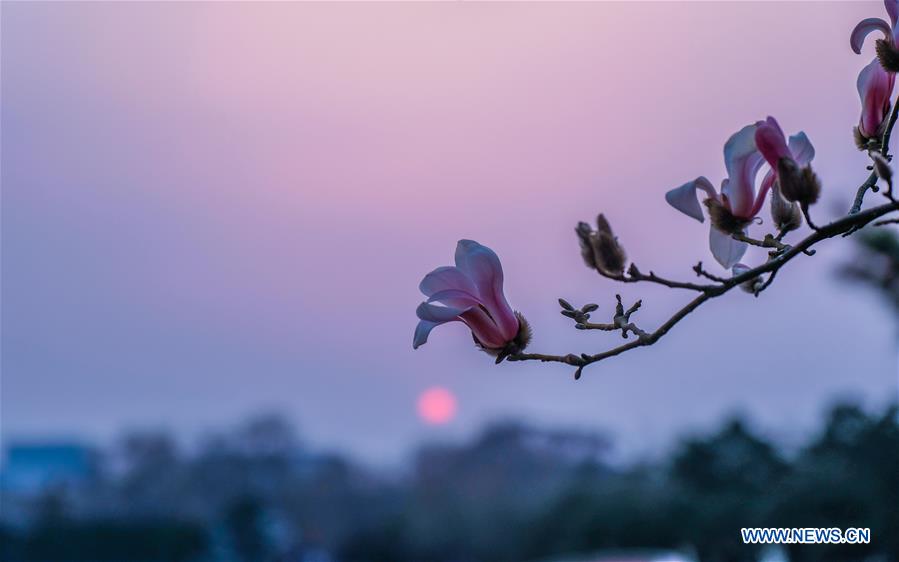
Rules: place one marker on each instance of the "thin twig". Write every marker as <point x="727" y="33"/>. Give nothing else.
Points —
<point x="808" y="217"/>
<point x="767" y="282"/>
<point x="700" y="272"/>
<point x="634" y="275"/>
<point x="596" y="326"/>
<point x="860" y="194"/>
<point x="768" y="241"/>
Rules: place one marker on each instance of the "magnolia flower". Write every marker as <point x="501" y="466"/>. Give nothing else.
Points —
<point x="790" y="162"/>
<point x="735" y="206"/>
<point x="471" y="292"/>
<point x="886" y="47"/>
<point x="875" y="87"/>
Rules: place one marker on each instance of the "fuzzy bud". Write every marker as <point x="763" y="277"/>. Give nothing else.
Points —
<point x="787" y="216"/>
<point x="861" y="141"/>
<point x="882" y="167"/>
<point x="600" y="248"/>
<point x="887" y="55"/>
<point x="870" y="143"/>
<point x="584" y="235"/>
<point x="799" y="185"/>
<point x="723" y="219"/>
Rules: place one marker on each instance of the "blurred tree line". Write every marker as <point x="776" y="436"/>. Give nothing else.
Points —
<point x="514" y="492"/>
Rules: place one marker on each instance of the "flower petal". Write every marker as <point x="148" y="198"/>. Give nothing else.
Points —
<point x="434" y="313"/>
<point x="801" y="148"/>
<point x="892" y="7"/>
<point x="866" y="26"/>
<point x="875" y="87"/>
<point x="764" y="188"/>
<point x="422" y="330"/>
<point x="686" y="200"/>
<point x="484" y="328"/>
<point x="771" y="142"/>
<point x="432" y="316"/>
<point x="447" y="278"/>
<point x="483" y="267"/>
<point x="743" y="161"/>
<point x="726" y="250"/>
<point x="455" y="298"/>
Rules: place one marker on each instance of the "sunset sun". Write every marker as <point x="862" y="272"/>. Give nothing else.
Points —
<point x="436" y="406"/>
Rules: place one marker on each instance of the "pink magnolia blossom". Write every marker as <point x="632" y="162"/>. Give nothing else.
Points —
<point x="471" y="292"/>
<point x="868" y="25"/>
<point x="875" y="87"/>
<point x="738" y="194"/>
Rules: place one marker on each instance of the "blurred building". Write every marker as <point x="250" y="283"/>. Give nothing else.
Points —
<point x="45" y="479"/>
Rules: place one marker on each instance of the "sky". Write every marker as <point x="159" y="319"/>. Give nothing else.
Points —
<point x="216" y="209"/>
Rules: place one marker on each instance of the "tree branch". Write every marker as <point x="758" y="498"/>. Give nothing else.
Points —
<point x="783" y="255"/>
<point x="780" y="255"/>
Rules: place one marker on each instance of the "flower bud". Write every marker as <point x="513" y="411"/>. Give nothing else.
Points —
<point x="875" y="88"/>
<point x="799" y="185"/>
<point x="787" y="216"/>
<point x="882" y="167"/>
<point x="600" y="248"/>
<point x="751" y="286"/>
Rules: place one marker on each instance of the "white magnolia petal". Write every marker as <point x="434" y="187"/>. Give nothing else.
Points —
<point x="725" y="249"/>
<point x="864" y="27"/>
<point x="685" y="199"/>
<point x="802" y="149"/>
<point x="743" y="161"/>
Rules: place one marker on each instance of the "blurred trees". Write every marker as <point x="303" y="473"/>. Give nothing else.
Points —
<point x="721" y="484"/>
<point x="490" y="501"/>
<point x="514" y="492"/>
<point x="846" y="477"/>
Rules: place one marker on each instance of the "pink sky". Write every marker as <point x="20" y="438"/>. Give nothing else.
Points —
<point x="210" y="209"/>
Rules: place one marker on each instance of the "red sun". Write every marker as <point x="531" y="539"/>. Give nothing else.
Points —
<point x="436" y="406"/>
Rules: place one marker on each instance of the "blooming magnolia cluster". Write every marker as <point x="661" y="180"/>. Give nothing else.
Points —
<point x="762" y="165"/>
<point x="736" y="205"/>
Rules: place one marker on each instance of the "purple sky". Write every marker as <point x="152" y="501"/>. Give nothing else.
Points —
<point x="213" y="209"/>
